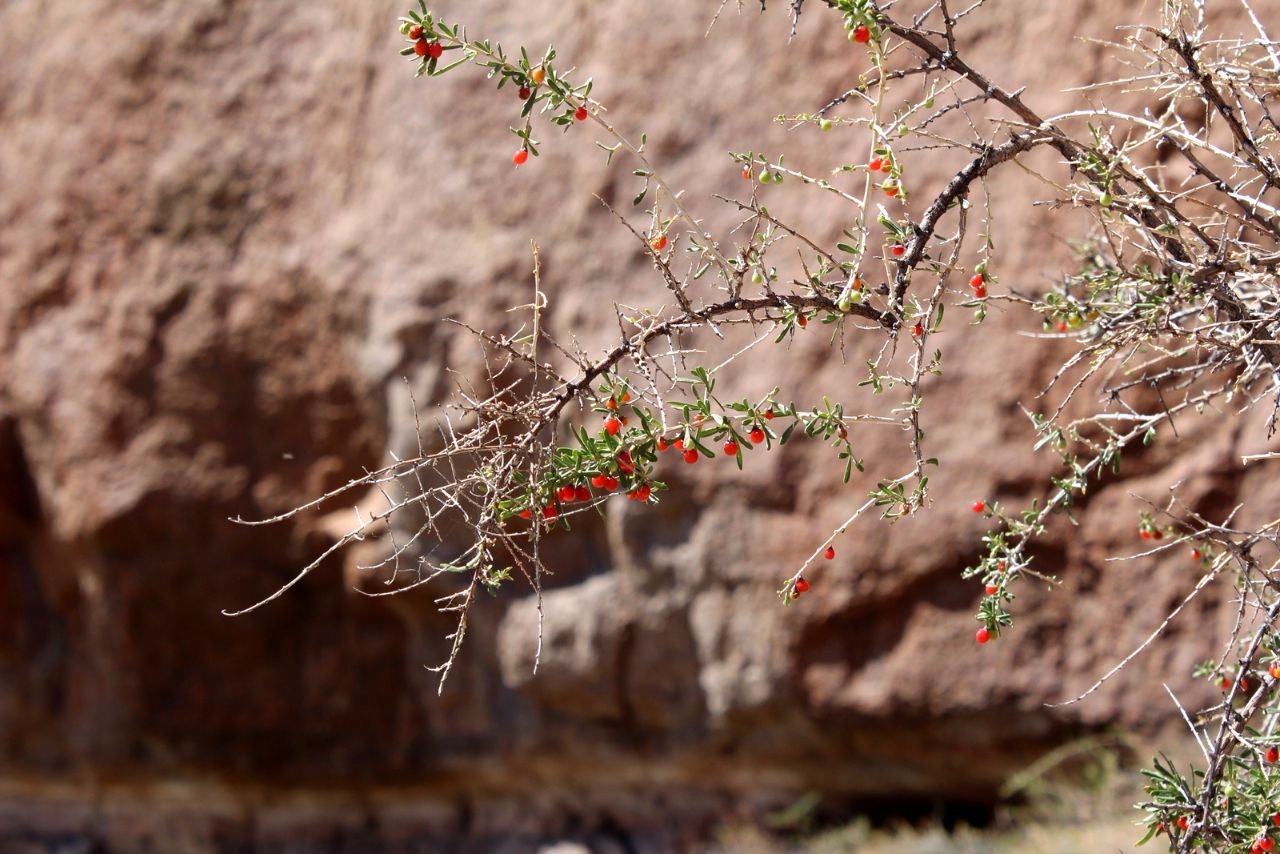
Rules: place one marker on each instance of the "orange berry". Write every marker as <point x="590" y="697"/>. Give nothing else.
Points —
<point x="538" y="75"/>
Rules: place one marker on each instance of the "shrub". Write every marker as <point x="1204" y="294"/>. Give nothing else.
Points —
<point x="1172" y="309"/>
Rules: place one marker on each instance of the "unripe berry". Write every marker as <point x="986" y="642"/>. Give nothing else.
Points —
<point x="580" y="114"/>
<point x="612" y="426"/>
<point x="520" y="156"/>
<point x="830" y="553"/>
<point x="757" y="436"/>
<point x="415" y="32"/>
<point x="983" y="635"/>
<point x="691" y="456"/>
<point x="861" y="34"/>
<point x="825" y="125"/>
<point x="731" y="448"/>
<point x="801" y="585"/>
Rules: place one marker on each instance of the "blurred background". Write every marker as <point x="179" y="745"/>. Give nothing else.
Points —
<point x="230" y="231"/>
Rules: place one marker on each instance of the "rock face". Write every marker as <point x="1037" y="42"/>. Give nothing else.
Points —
<point x="229" y="231"/>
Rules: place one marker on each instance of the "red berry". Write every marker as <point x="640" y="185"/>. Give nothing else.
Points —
<point x="757" y="436"/>
<point x="768" y="415"/>
<point x="566" y="492"/>
<point x="415" y="32"/>
<point x="678" y="444"/>
<point x="898" y="250"/>
<point x="1273" y="754"/>
<point x="624" y="463"/>
<point x="1225" y="684"/>
<point x="1002" y="565"/>
<point x="830" y="553"/>
<point x="1062" y="326"/>
<point x="582" y="494"/>
<point x="626" y="396"/>
<point x="1266" y="843"/>
<point x="659" y="243"/>
<point x="1274" y="670"/>
<point x="746" y="173"/>
<point x="598" y="481"/>
<point x="978" y="506"/>
<point x="731" y="448"/>
<point x="434" y="50"/>
<point x="1157" y="534"/>
<point x="976" y="281"/>
<point x="526" y="513"/>
<point x="523" y="93"/>
<point x="580" y="114"/>
<point x="662" y="444"/>
<point x="980" y="293"/>
<point x="611" y="483"/>
<point x="612" y="426"/>
<point x="1275" y="819"/>
<point x="1196" y="554"/>
<point x="875" y="165"/>
<point x="983" y="635"/>
<point x="1244" y="684"/>
<point x="801" y="585"/>
<point x="992" y="590"/>
<point x="887" y="165"/>
<point x="802" y="320"/>
<point x="862" y="34"/>
<point x="890" y="189"/>
<point x="691" y="456"/>
<point x="549" y="512"/>
<point x="1182" y="822"/>
<point x="520" y="156"/>
<point x="1145" y="534"/>
<point x="917" y="330"/>
<point x="420" y="48"/>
